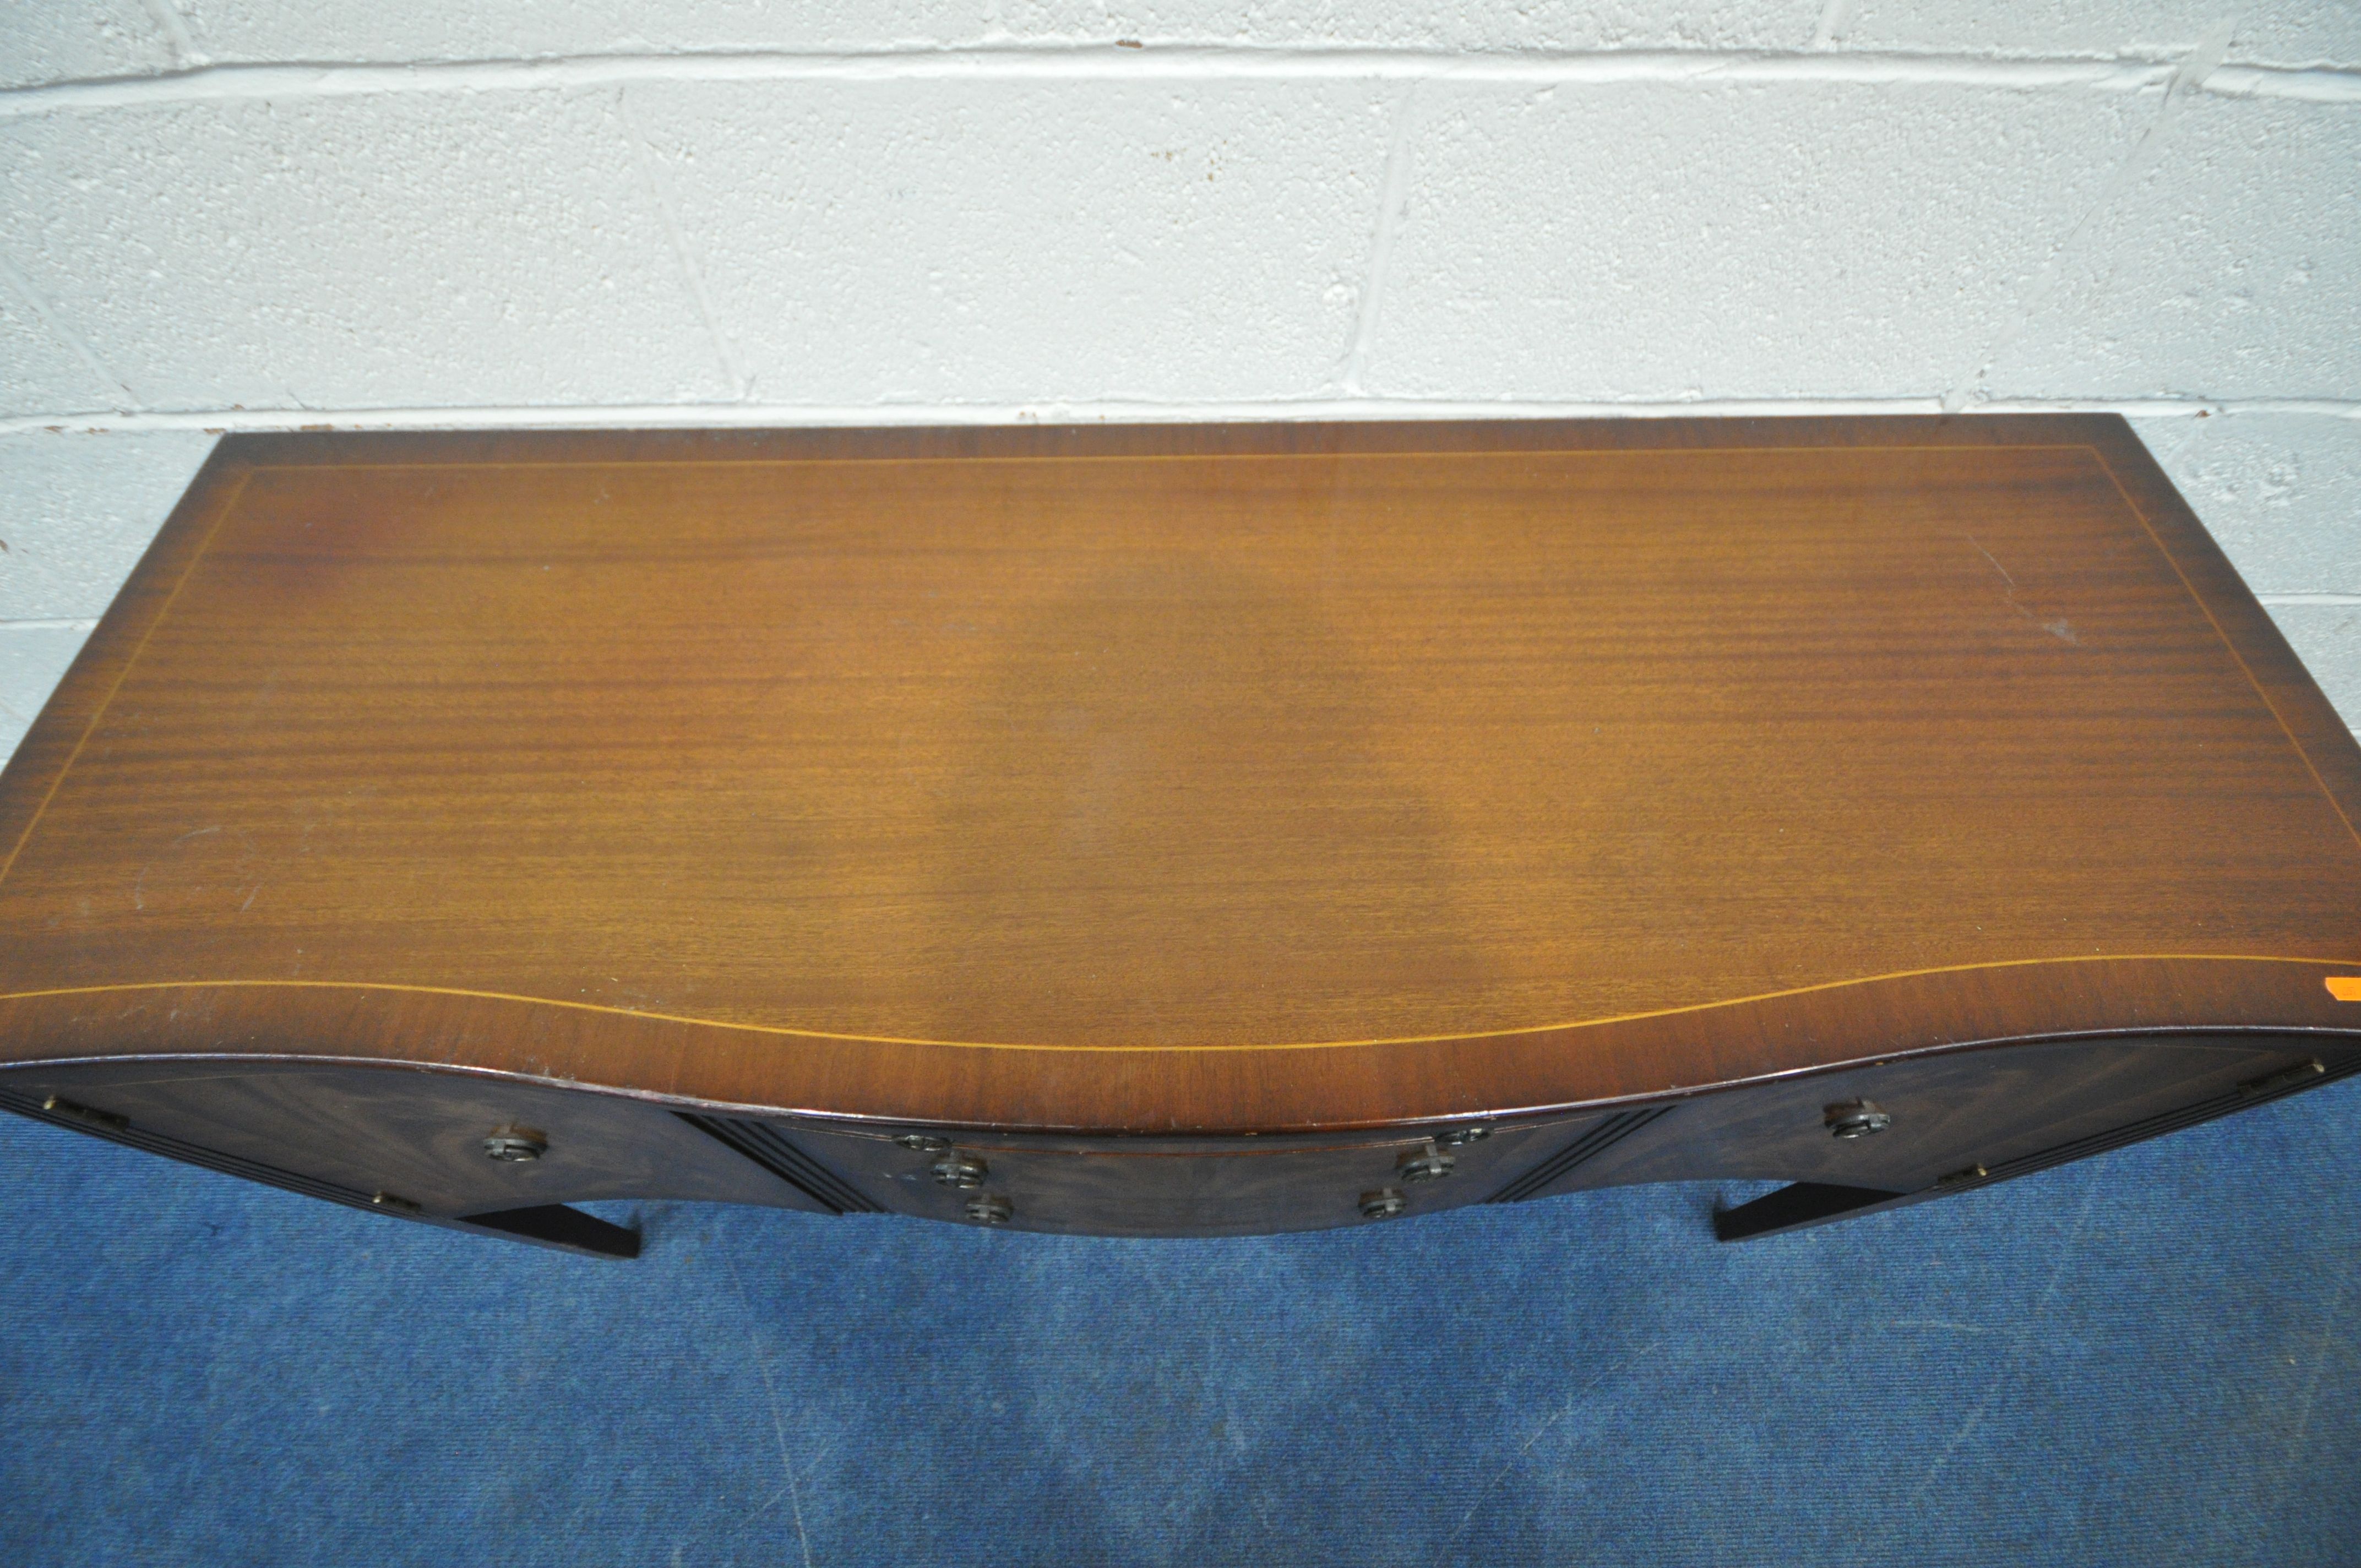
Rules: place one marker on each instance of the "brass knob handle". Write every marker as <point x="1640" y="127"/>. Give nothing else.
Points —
<point x="1856" y="1119"/>
<point x="513" y="1145"/>
<point x="1429" y="1164"/>
<point x="963" y="1171"/>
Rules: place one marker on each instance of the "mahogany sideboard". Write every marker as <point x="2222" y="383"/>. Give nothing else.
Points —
<point x="1175" y="829"/>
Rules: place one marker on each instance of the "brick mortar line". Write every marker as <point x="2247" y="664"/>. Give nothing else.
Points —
<point x="692" y="415"/>
<point x="285" y="80"/>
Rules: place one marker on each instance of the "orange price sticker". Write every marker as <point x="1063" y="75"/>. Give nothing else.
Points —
<point x="2345" y="987"/>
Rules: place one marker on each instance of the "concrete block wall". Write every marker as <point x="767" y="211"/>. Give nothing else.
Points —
<point x="251" y="213"/>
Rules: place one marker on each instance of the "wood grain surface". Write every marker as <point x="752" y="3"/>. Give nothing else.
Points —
<point x="1194" y="778"/>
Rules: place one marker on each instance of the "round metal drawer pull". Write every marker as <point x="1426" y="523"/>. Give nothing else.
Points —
<point x="925" y="1143"/>
<point x="1429" y="1164"/>
<point x="1383" y="1204"/>
<point x="513" y="1145"/>
<point x="1856" y="1119"/>
<point x="991" y="1211"/>
<point x="963" y="1171"/>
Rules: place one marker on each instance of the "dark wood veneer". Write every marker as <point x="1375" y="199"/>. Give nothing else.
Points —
<point x="1190" y="820"/>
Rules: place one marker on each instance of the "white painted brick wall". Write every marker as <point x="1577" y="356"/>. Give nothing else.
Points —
<point x="255" y="213"/>
<point x="2228" y="268"/>
<point x="1747" y="241"/>
<point x="2295" y="33"/>
<point x="42" y="40"/>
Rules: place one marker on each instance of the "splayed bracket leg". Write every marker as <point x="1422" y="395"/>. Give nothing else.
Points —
<point x="556" y="1225"/>
<point x="1797" y="1208"/>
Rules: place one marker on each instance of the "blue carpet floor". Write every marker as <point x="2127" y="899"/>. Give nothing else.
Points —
<point x="2147" y="1358"/>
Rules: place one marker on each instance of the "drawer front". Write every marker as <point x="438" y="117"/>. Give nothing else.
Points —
<point x="419" y="1136"/>
<point x="1150" y="1188"/>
